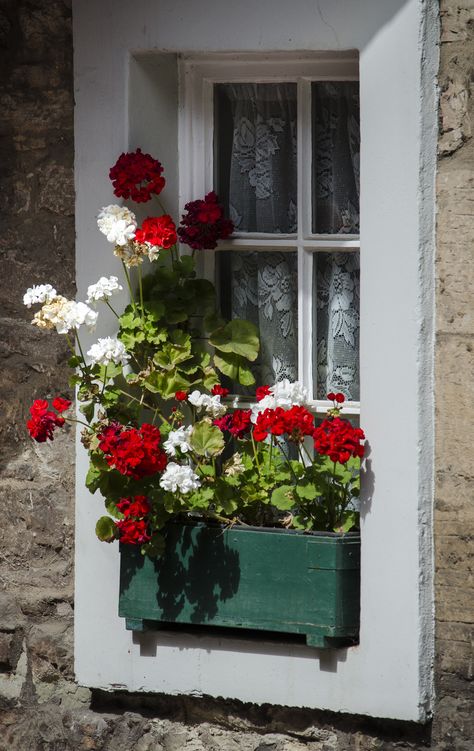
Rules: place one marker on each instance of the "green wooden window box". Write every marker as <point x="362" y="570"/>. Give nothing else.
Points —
<point x="246" y="578"/>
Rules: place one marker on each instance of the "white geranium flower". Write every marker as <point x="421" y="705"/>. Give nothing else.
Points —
<point x="211" y="404"/>
<point x="117" y="223"/>
<point x="178" y="439"/>
<point x="103" y="289"/>
<point x="78" y="314"/>
<point x="108" y="350"/>
<point x="64" y="315"/>
<point x="285" y="394"/>
<point x="40" y="293"/>
<point x="178" y="477"/>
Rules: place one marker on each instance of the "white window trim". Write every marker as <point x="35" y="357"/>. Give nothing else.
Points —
<point x="390" y="673"/>
<point x="197" y="77"/>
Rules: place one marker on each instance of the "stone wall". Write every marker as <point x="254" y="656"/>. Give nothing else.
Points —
<point x="41" y="708"/>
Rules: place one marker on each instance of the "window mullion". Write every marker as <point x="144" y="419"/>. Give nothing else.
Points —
<point x="305" y="261"/>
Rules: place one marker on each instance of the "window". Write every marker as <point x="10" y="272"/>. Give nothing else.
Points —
<point x="279" y="142"/>
<point x="126" y="89"/>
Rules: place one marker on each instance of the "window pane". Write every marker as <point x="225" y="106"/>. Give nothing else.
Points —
<point x="336" y="324"/>
<point x="255" y="155"/>
<point x="336" y="147"/>
<point x="262" y="287"/>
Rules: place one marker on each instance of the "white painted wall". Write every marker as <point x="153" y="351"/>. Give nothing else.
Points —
<point x="389" y="674"/>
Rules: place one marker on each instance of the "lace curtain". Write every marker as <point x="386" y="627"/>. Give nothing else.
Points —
<point x="256" y="177"/>
<point x="257" y="180"/>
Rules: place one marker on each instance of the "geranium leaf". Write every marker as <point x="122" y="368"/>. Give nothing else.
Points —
<point x="105" y="529"/>
<point x="207" y="439"/>
<point x="238" y="337"/>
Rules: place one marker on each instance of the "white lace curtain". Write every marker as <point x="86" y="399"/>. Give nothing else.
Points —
<point x="256" y="177"/>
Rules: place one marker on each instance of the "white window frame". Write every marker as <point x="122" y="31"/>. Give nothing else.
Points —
<point x="198" y="76"/>
<point x="126" y="96"/>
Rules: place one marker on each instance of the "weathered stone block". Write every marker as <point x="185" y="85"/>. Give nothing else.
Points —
<point x="57" y="190"/>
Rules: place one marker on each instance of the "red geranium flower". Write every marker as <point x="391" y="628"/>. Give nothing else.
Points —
<point x="133" y="452"/>
<point x="181" y="396"/>
<point x="262" y="392"/>
<point x="157" y="230"/>
<point x="298" y="423"/>
<point x="219" y="390"/>
<point x="269" y="421"/>
<point x="133" y="531"/>
<point x="295" y="422"/>
<point x="137" y="176"/>
<point x="60" y="404"/>
<point x="204" y="224"/>
<point x="43" y="422"/>
<point x="339" y="440"/>
<point x="136" y="506"/>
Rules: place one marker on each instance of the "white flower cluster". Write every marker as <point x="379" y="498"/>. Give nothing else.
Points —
<point x="211" y="404"/>
<point x="285" y="394"/>
<point x="108" y="350"/>
<point x="64" y="315"/>
<point x="178" y="477"/>
<point x="103" y="289"/>
<point x="178" y="439"/>
<point x="117" y="223"/>
<point x="40" y="293"/>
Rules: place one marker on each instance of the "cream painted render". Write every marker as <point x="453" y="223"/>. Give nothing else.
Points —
<point x="122" y="102"/>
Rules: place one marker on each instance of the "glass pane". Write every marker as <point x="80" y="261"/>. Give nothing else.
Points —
<point x="262" y="287"/>
<point x="336" y="324"/>
<point x="336" y="147"/>
<point x="255" y="155"/>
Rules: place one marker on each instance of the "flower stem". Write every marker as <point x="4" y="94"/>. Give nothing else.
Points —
<point x="129" y="285"/>
<point x="111" y="308"/>
<point x="140" y="286"/>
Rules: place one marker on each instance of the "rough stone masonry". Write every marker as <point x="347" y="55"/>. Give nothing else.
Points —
<point x="41" y="707"/>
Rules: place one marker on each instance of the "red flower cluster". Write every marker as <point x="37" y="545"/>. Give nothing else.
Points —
<point x="262" y="392"/>
<point x="133" y="530"/>
<point x="157" y="230"/>
<point x="295" y="422"/>
<point x="204" y="224"/>
<point x="43" y="421"/>
<point x="339" y="440"/>
<point x="219" y="390"/>
<point x="137" y="176"/>
<point x="237" y="423"/>
<point x="133" y="452"/>
<point x="181" y="396"/>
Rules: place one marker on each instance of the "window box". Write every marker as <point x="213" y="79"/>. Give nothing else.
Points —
<point x="247" y="578"/>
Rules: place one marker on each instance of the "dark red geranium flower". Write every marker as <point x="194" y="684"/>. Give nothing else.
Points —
<point x="262" y="392"/>
<point x="237" y="423"/>
<point x="219" y="390"/>
<point x="43" y="421"/>
<point x="181" y="396"/>
<point x="157" y="230"/>
<point x="60" y="404"/>
<point x="133" y="452"/>
<point x="133" y="531"/>
<point x="204" y="224"/>
<point x="339" y="440"/>
<point x="137" y="176"/>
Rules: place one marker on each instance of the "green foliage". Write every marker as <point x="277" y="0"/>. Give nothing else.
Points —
<point x="178" y="341"/>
